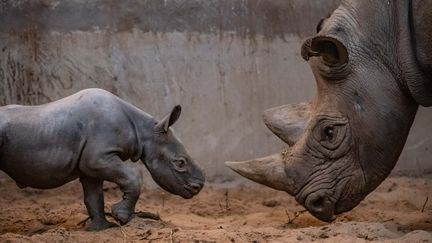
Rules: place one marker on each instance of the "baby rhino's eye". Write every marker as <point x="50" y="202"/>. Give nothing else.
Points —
<point x="180" y="163"/>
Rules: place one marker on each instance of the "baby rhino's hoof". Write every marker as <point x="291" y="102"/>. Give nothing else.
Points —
<point x="121" y="214"/>
<point x="97" y="225"/>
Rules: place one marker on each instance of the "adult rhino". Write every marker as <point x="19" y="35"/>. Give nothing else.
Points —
<point x="89" y="135"/>
<point x="372" y="65"/>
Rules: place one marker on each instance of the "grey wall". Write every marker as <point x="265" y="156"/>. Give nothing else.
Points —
<point x="225" y="61"/>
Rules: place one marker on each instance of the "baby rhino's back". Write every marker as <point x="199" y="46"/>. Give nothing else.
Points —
<point x="41" y="145"/>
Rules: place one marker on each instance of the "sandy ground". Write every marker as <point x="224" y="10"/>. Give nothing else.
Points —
<point x="220" y="213"/>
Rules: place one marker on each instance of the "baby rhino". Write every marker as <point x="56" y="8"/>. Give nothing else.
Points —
<point x="88" y="136"/>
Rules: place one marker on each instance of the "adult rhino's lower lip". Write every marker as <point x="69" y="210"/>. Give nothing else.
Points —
<point x="321" y="207"/>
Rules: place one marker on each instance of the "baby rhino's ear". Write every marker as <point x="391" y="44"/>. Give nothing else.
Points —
<point x="169" y="119"/>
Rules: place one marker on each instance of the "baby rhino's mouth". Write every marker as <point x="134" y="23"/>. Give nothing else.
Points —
<point x="192" y="189"/>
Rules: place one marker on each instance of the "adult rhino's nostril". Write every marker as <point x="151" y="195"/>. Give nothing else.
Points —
<point x="321" y="207"/>
<point x="318" y="204"/>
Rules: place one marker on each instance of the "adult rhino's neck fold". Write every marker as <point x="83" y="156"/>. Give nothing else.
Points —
<point x="417" y="82"/>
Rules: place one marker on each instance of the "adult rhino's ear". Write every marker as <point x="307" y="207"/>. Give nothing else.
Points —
<point x="332" y="50"/>
<point x="169" y="119"/>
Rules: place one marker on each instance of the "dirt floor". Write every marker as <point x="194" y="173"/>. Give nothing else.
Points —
<point x="396" y="212"/>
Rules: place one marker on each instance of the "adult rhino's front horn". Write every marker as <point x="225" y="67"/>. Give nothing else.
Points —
<point x="269" y="171"/>
<point x="288" y="122"/>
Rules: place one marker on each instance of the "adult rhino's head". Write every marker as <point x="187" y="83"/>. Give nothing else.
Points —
<point x="347" y="140"/>
<point x="168" y="161"/>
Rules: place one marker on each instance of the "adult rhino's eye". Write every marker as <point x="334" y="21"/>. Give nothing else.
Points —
<point x="329" y="133"/>
<point x="330" y="136"/>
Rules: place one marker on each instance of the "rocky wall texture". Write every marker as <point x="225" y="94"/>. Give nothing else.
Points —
<point x="224" y="61"/>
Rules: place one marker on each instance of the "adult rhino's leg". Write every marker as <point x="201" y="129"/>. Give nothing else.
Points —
<point x="94" y="202"/>
<point x="112" y="168"/>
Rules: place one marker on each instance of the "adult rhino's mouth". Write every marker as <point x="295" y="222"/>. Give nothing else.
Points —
<point x="326" y="204"/>
<point x="320" y="206"/>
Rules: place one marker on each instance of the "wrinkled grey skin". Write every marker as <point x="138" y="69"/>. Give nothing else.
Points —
<point x="88" y="136"/>
<point x="373" y="68"/>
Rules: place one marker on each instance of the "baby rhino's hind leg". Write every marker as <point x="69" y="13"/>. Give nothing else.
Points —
<point x="94" y="202"/>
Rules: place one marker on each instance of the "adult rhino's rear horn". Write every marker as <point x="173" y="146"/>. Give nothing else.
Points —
<point x="288" y="122"/>
<point x="269" y="171"/>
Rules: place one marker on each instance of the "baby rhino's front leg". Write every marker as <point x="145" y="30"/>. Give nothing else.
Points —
<point x="130" y="184"/>
<point x="113" y="169"/>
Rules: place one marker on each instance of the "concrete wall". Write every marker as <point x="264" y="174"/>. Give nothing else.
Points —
<point x="225" y="61"/>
